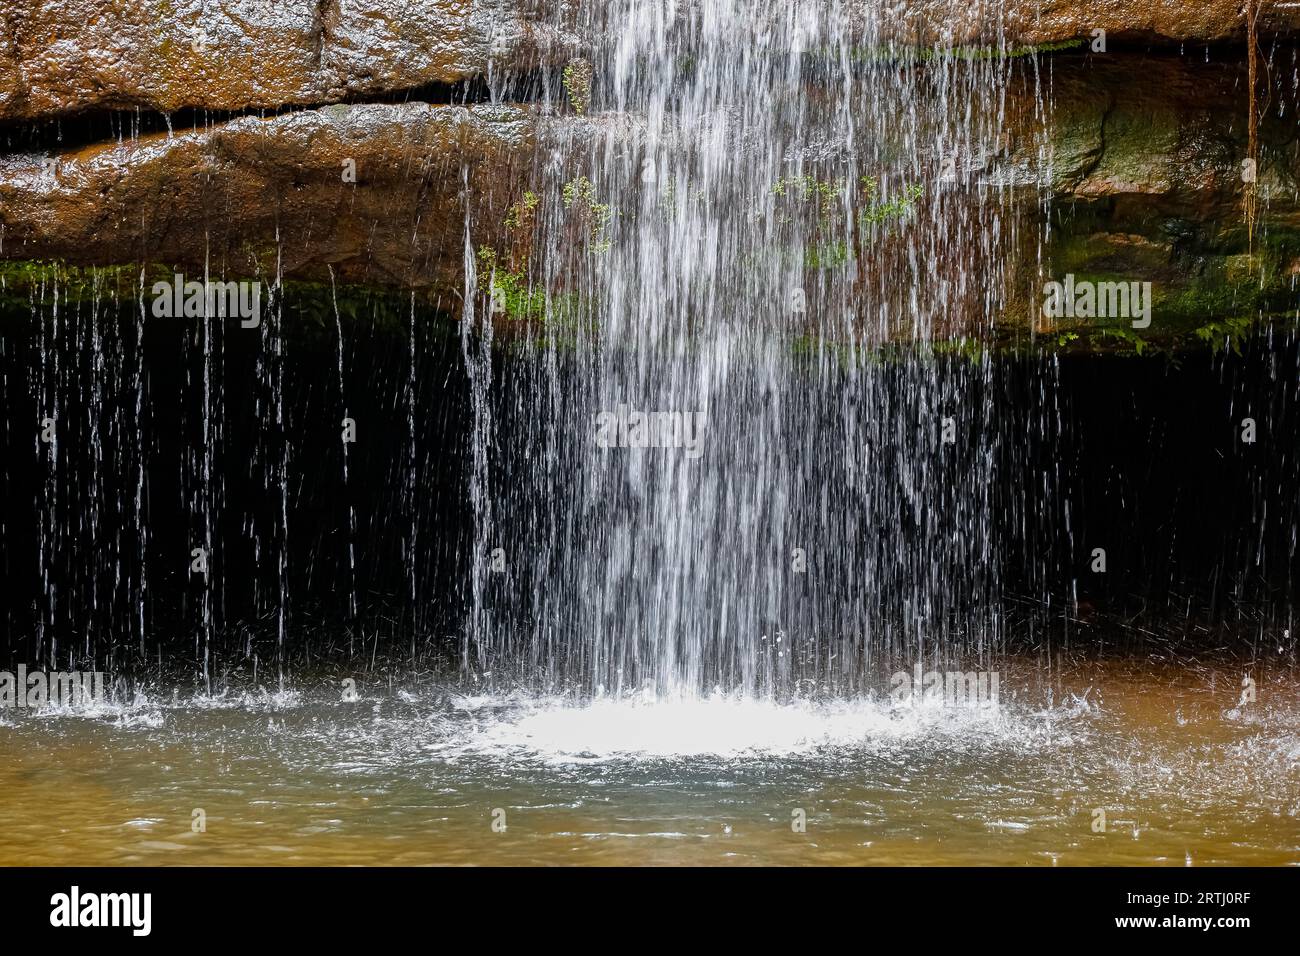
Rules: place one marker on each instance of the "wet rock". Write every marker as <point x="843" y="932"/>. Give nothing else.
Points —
<point x="1054" y="21"/>
<point x="1145" y="152"/>
<point x="1149" y="185"/>
<point x="63" y="56"/>
<point x="378" y="192"/>
<point x="58" y="57"/>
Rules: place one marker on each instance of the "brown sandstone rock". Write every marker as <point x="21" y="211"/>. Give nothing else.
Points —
<point x="239" y="195"/>
<point x="1025" y="22"/>
<point x="58" y="57"/>
<point x="63" y="56"/>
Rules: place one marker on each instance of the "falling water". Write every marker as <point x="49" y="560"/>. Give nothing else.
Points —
<point x="280" y="473"/>
<point x="768" y="222"/>
<point x="49" y="545"/>
<point x="409" y="490"/>
<point x="764" y="201"/>
<point x="139" y="593"/>
<point x="352" y="512"/>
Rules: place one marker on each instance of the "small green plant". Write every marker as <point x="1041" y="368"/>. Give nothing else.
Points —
<point x="896" y="209"/>
<point x="510" y="291"/>
<point x="1231" y="330"/>
<point x="577" y="85"/>
<point x="968" y="348"/>
<point x="823" y="192"/>
<point x="1126" y="335"/>
<point x="507" y="273"/>
<point x="580" y="197"/>
<point x="521" y="213"/>
<point x="521" y="226"/>
<point x="828" y="256"/>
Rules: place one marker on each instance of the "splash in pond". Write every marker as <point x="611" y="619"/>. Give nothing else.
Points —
<point x="1112" y="765"/>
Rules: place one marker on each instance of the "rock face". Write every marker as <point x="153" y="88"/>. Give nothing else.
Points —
<point x="1145" y="151"/>
<point x="1205" y="21"/>
<point x="378" y="192"/>
<point x="1025" y="22"/>
<point x="1149" y="182"/>
<point x="59" y="57"/>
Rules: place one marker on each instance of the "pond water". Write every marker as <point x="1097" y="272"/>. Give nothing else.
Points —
<point x="1184" y="772"/>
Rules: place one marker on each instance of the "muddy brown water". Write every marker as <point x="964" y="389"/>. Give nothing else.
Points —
<point x="1178" y="768"/>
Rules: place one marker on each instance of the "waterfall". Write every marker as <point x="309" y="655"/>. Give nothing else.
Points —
<point x="782" y="240"/>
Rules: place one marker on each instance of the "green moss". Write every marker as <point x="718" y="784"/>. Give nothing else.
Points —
<point x="970" y="349"/>
<point x="510" y="292"/>
<point x="20" y="280"/>
<point x="1207" y="289"/>
<point x="307" y="307"/>
<point x="1139" y="145"/>
<point x="808" y="346"/>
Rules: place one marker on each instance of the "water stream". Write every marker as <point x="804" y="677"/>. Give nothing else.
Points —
<point x="760" y="199"/>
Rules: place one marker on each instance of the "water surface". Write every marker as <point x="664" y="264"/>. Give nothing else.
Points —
<point x="1184" y="773"/>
